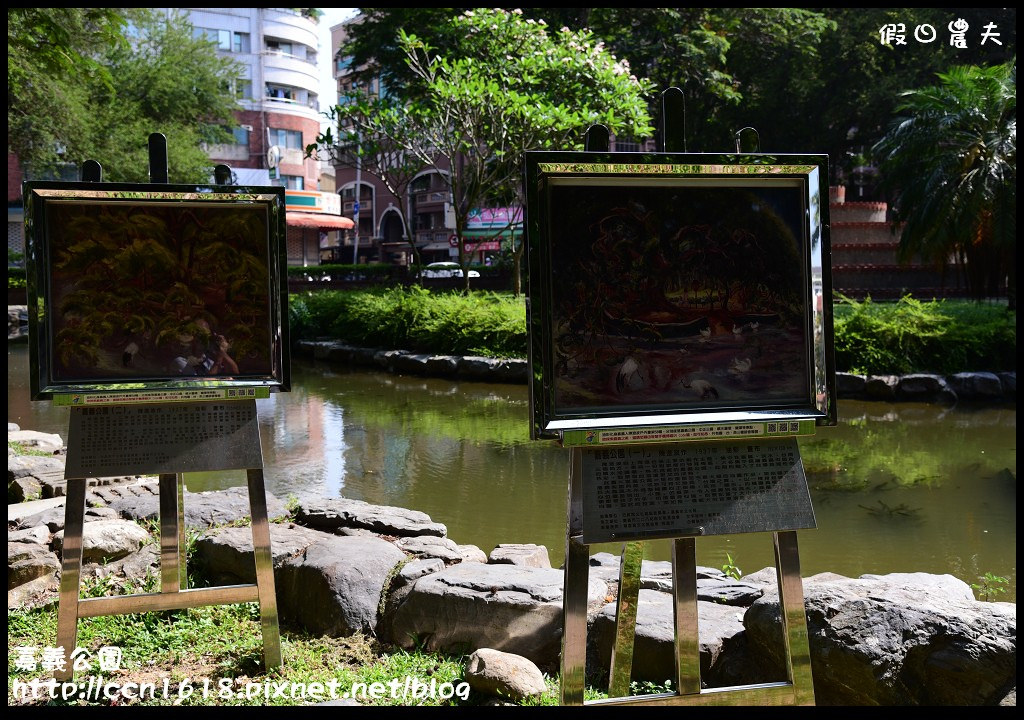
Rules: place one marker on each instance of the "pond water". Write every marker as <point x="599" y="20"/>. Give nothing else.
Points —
<point x="895" y="487"/>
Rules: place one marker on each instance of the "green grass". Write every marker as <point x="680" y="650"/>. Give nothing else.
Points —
<point x="219" y="648"/>
<point x="213" y="656"/>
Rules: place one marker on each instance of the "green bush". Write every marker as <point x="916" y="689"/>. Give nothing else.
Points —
<point x="483" y="323"/>
<point x="941" y="336"/>
<point x="15" y="277"/>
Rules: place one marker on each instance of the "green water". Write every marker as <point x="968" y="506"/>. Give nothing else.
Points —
<point x="895" y="487"/>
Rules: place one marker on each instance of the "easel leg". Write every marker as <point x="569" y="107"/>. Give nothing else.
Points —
<point x="264" y="570"/>
<point x="684" y="596"/>
<point x="183" y="566"/>
<point x="574" y="592"/>
<point x="794" y="617"/>
<point x="71" y="574"/>
<point x="621" y="668"/>
<point x="170" y="542"/>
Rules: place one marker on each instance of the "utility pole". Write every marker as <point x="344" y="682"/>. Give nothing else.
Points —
<point x="355" y="205"/>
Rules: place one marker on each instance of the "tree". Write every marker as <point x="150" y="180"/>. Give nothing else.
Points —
<point x="167" y="81"/>
<point x="840" y="98"/>
<point x="952" y="158"/>
<point x="691" y="48"/>
<point x="47" y="48"/>
<point x="700" y="51"/>
<point x="373" y="137"/>
<point x="149" y="75"/>
<point x="504" y="85"/>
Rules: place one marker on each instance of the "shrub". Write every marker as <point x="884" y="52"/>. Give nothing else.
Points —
<point x="911" y="335"/>
<point x="413" y="318"/>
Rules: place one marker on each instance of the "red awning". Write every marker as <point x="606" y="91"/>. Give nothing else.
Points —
<point x="321" y="221"/>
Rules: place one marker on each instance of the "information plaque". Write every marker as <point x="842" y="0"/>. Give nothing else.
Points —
<point x="154" y="439"/>
<point x="669" y="491"/>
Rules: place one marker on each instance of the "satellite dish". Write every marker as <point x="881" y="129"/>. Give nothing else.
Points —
<point x="273" y="156"/>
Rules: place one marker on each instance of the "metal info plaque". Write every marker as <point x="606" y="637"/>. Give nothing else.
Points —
<point x="715" y="488"/>
<point x="154" y="439"/>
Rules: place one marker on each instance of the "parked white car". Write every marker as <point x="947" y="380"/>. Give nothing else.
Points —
<point x="445" y="270"/>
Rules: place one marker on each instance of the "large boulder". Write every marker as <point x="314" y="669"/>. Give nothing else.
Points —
<point x="976" y="385"/>
<point x="225" y="555"/>
<point x="431" y="546"/>
<point x="850" y="384"/>
<point x="27" y="562"/>
<point x="35" y="467"/>
<point x="1009" y="383"/>
<point x="720" y="632"/>
<point x="654" y="574"/>
<point x="331" y="515"/>
<point x="53" y="518"/>
<point x="881" y="387"/>
<point x="202" y="510"/>
<point x="504" y="607"/>
<point x="39" y="535"/>
<point x="144" y="561"/>
<point x="30" y="476"/>
<point x="34" y="592"/>
<point x="335" y="585"/>
<point x="526" y="554"/>
<point x="105" y="540"/>
<point x="33" y="440"/>
<point x="924" y="387"/>
<point x="898" y="639"/>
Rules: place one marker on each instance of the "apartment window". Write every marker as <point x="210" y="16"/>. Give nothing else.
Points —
<point x="281" y="93"/>
<point x="286" y="138"/>
<point x="240" y="43"/>
<point x="281" y="47"/>
<point x="224" y="39"/>
<point x="241" y="136"/>
<point x="243" y="89"/>
<point x="292" y="182"/>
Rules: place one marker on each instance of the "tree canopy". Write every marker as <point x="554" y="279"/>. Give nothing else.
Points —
<point x="809" y="79"/>
<point x="951" y="157"/>
<point x="94" y="83"/>
<point x="503" y="84"/>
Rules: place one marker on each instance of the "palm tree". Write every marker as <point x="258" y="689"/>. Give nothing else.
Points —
<point x="952" y="159"/>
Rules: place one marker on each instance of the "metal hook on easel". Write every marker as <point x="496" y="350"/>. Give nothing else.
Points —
<point x="747" y="140"/>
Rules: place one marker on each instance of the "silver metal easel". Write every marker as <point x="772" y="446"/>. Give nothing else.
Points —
<point x="166" y="439"/>
<point x="218" y="436"/>
<point x="780" y="502"/>
<point x="797" y="689"/>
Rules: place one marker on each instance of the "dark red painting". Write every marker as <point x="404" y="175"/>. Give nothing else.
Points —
<point x="673" y="295"/>
<point x="142" y="290"/>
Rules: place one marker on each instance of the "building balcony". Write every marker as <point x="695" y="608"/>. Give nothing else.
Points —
<point x="289" y="25"/>
<point x="281" y="69"/>
<point x="431" y="200"/>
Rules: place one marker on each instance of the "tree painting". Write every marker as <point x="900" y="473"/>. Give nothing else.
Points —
<point x="147" y="290"/>
<point x="671" y="295"/>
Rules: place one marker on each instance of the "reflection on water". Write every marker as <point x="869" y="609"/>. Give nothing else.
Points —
<point x="896" y="488"/>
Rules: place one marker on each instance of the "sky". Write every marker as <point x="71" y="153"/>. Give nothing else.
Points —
<point x="325" y="61"/>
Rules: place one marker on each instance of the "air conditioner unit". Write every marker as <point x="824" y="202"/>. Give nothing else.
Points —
<point x="247" y="127"/>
